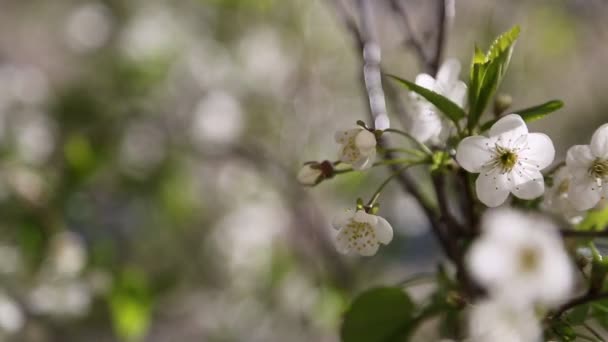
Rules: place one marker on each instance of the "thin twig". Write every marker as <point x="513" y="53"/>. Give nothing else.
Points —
<point x="584" y="233"/>
<point x="412" y="40"/>
<point x="441" y="36"/>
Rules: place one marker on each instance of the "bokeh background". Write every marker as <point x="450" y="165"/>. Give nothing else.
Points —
<point x="148" y="152"/>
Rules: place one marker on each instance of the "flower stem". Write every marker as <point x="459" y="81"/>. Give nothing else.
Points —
<point x="422" y="146"/>
<point x="409" y="151"/>
<point x="383" y="163"/>
<point x="376" y="194"/>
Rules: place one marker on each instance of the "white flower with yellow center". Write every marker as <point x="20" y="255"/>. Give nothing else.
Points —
<point x="588" y="165"/>
<point x="495" y="320"/>
<point x="425" y="122"/>
<point x="520" y="258"/>
<point x="358" y="147"/>
<point x="361" y="233"/>
<point x="508" y="161"/>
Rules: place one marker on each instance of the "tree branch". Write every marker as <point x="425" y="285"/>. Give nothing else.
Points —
<point x="584" y="299"/>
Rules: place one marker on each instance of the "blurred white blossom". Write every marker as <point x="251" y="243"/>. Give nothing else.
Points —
<point x="67" y="255"/>
<point x="218" y="118"/>
<point x="361" y="232"/>
<point x="588" y="165"/>
<point x="521" y="259"/>
<point x="508" y="161"/>
<point x="35" y="137"/>
<point x="498" y="321"/>
<point x="88" y="27"/>
<point x="425" y="122"/>
<point x="11" y="315"/>
<point x="358" y="147"/>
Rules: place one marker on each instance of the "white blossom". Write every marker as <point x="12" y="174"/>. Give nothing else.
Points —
<point x="520" y="258"/>
<point x="361" y="232"/>
<point x="556" y="198"/>
<point x="588" y="165"/>
<point x="358" y="147"/>
<point x="508" y="161"/>
<point x="497" y="321"/>
<point x="309" y="175"/>
<point x="425" y="122"/>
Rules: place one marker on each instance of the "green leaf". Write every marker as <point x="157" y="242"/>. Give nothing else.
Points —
<point x="487" y="72"/>
<point x="578" y="315"/>
<point x="378" y="315"/>
<point x="532" y="113"/>
<point x="445" y="105"/>
<point x="131" y="305"/>
<point x="595" y="220"/>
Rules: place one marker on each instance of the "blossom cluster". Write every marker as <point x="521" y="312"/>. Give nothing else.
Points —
<point x="517" y="259"/>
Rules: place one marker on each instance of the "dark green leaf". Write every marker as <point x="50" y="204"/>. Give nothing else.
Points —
<point x="487" y="73"/>
<point x="378" y="315"/>
<point x="532" y="113"/>
<point x="578" y="315"/>
<point x="445" y="105"/>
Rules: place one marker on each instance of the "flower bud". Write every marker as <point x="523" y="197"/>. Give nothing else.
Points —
<point x="310" y="174"/>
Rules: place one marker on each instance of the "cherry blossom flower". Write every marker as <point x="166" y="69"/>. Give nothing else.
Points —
<point x="520" y="258"/>
<point x="425" y="122"/>
<point x="588" y="165"/>
<point x="358" y="147"/>
<point x="508" y="161"/>
<point x="495" y="320"/>
<point x="361" y="232"/>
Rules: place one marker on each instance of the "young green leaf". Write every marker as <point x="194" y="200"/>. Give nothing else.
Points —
<point x="487" y="72"/>
<point x="445" y="105"/>
<point x="532" y="113"/>
<point x="378" y="315"/>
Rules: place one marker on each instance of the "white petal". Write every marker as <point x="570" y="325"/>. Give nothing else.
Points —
<point x="448" y="72"/>
<point x="341" y="242"/>
<point x="510" y="126"/>
<point x="584" y="194"/>
<point x="425" y="123"/>
<point x="527" y="184"/>
<point x="599" y="142"/>
<point x="425" y="80"/>
<point x="363" y="217"/>
<point x="342" y="219"/>
<point x="384" y="231"/>
<point x="364" y="162"/>
<point x="540" y="151"/>
<point x="365" y="140"/>
<point x="368" y="249"/>
<point x="473" y="153"/>
<point x="492" y="188"/>
<point x="308" y="176"/>
<point x="342" y="137"/>
<point x="458" y="94"/>
<point x="578" y="160"/>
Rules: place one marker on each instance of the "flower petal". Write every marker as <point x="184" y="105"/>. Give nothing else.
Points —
<point x="365" y="140"/>
<point x="384" y="231"/>
<point x="424" y="123"/>
<point x="342" y="219"/>
<point x="364" y="162"/>
<point x="473" y="153"/>
<point x="448" y="72"/>
<point x="540" y="151"/>
<point x="425" y="80"/>
<point x="363" y="217"/>
<point x="342" y="244"/>
<point x="458" y="94"/>
<point x="578" y="160"/>
<point x="599" y="142"/>
<point x="342" y="137"/>
<point x="368" y="249"/>
<point x="584" y="194"/>
<point x="492" y="188"/>
<point x="509" y="127"/>
<point x="527" y="183"/>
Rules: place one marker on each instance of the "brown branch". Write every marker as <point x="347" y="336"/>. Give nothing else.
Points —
<point x="584" y="233"/>
<point x="584" y="299"/>
<point x="441" y="36"/>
